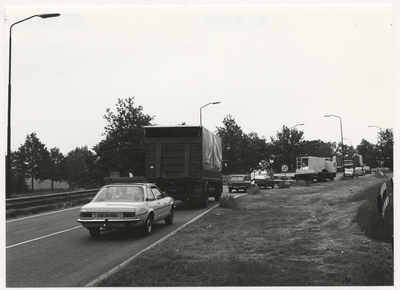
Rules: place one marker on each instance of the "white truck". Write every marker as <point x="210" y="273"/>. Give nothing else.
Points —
<point x="320" y="168"/>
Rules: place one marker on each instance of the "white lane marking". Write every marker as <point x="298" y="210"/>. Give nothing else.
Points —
<point x="33" y="216"/>
<point x="40" y="238"/>
<point x="123" y="264"/>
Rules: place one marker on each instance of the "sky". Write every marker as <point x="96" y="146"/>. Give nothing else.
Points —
<point x="269" y="66"/>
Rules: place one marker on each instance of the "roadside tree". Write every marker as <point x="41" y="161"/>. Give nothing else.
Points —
<point x="32" y="160"/>
<point x="233" y="142"/>
<point x="123" y="149"/>
<point x="256" y="153"/>
<point x="55" y="170"/>
<point x="74" y="169"/>
<point x="287" y="145"/>
<point x="368" y="151"/>
<point x="385" y="148"/>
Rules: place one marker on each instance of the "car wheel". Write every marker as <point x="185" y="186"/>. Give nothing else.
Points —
<point x="148" y="226"/>
<point x="94" y="231"/>
<point x="170" y="218"/>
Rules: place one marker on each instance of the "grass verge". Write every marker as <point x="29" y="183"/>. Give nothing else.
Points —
<point x="300" y="236"/>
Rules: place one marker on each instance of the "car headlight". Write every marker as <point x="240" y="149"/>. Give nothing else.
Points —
<point x="86" y="214"/>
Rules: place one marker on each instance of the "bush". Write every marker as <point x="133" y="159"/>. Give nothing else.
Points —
<point x="227" y="201"/>
<point x="284" y="184"/>
<point x="370" y="222"/>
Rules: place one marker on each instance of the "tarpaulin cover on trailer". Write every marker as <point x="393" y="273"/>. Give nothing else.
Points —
<point x="212" y="151"/>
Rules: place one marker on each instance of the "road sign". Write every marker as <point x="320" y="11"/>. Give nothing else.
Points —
<point x="285" y="168"/>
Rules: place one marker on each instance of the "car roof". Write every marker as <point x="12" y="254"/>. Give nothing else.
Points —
<point x="129" y="184"/>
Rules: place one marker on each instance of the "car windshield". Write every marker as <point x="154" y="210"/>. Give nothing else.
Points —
<point x="237" y="178"/>
<point x="120" y="193"/>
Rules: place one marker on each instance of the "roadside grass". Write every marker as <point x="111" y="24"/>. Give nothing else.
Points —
<point x="303" y="236"/>
<point x="370" y="222"/>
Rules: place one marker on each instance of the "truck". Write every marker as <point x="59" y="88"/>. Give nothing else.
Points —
<point x="321" y="168"/>
<point x="185" y="162"/>
<point x="351" y="163"/>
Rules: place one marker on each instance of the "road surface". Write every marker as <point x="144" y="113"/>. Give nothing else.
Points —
<point x="53" y="250"/>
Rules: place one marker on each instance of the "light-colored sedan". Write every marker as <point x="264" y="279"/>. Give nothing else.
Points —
<point x="125" y="206"/>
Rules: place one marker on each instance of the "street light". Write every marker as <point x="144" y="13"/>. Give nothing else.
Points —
<point x="376" y="127"/>
<point x="297" y="125"/>
<point x="8" y="160"/>
<point x="212" y="103"/>
<point x="341" y="135"/>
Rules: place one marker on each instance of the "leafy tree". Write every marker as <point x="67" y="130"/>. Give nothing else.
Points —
<point x="74" y="167"/>
<point x="32" y="159"/>
<point x="286" y="147"/>
<point x="368" y="151"/>
<point x="255" y="152"/>
<point x="55" y="166"/>
<point x="233" y="141"/>
<point x="123" y="149"/>
<point x="318" y="148"/>
<point x="385" y="148"/>
<point x="18" y="183"/>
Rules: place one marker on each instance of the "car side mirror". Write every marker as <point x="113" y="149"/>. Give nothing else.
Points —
<point x="164" y="193"/>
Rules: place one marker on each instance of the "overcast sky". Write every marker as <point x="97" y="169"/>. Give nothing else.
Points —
<point x="269" y="66"/>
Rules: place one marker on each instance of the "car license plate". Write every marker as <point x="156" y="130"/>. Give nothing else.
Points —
<point x="107" y="215"/>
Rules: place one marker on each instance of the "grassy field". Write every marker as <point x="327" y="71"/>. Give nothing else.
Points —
<point x="326" y="234"/>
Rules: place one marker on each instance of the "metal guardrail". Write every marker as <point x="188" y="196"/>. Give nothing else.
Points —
<point x="30" y="201"/>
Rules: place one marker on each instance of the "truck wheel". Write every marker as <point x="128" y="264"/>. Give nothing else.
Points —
<point x="218" y="193"/>
<point x="94" y="231"/>
<point x="148" y="226"/>
<point x="204" y="196"/>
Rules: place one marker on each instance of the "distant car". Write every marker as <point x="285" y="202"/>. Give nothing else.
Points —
<point x="360" y="171"/>
<point x="264" y="180"/>
<point x="350" y="172"/>
<point x="239" y="182"/>
<point x="367" y="169"/>
<point x="126" y="206"/>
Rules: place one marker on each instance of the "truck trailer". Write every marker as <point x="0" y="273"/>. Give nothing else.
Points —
<point x="320" y="168"/>
<point x="185" y="162"/>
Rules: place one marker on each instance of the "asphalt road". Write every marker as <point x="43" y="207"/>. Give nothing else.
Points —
<point x="53" y="250"/>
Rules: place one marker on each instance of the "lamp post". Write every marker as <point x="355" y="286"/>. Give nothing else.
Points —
<point x="376" y="127"/>
<point x="8" y="160"/>
<point x="297" y="125"/>
<point x="212" y="103"/>
<point x="341" y="136"/>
